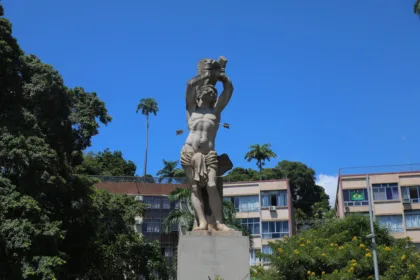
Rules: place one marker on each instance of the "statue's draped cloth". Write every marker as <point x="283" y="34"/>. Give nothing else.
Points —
<point x="201" y="164"/>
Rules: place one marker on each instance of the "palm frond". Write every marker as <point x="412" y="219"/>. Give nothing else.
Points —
<point x="179" y="194"/>
<point x="176" y="217"/>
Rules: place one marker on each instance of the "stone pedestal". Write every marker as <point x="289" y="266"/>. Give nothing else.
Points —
<point x="203" y="254"/>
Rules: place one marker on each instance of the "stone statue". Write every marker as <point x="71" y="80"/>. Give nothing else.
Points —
<point x="203" y="167"/>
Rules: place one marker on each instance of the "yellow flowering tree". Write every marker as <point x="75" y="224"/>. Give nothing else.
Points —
<point x="340" y="250"/>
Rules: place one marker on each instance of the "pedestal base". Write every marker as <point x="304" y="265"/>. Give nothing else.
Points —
<point x="203" y="254"/>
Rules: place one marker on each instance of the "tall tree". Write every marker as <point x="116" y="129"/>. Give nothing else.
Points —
<point x="260" y="153"/>
<point x="147" y="106"/>
<point x="305" y="192"/>
<point x="169" y="171"/>
<point x="51" y="220"/>
<point x="106" y="163"/>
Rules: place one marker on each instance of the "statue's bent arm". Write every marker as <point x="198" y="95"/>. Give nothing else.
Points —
<point x="226" y="94"/>
<point x="191" y="93"/>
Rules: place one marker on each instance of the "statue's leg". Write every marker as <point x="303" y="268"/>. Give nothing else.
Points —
<point x="196" y="201"/>
<point x="215" y="201"/>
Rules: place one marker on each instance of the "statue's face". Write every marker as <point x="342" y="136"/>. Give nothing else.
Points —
<point x="207" y="95"/>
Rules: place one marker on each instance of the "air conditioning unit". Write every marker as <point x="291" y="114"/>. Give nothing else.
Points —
<point x="272" y="208"/>
<point x="138" y="220"/>
<point x="406" y="200"/>
<point x="138" y="198"/>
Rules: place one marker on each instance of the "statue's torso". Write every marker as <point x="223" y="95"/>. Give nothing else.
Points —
<point x="203" y="124"/>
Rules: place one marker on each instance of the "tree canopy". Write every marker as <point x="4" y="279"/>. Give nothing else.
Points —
<point x="260" y="153"/>
<point x="417" y="7"/>
<point x="340" y="250"/>
<point x="54" y="224"/>
<point x="106" y="163"/>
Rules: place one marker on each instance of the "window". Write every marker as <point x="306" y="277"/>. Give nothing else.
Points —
<point x="252" y="224"/>
<point x="392" y="223"/>
<point x="253" y="258"/>
<point x="274" y="198"/>
<point x="152" y="201"/>
<point x="275" y="229"/>
<point x="412" y="219"/>
<point x="267" y="250"/>
<point x="355" y="197"/>
<point x="411" y="193"/>
<point x="165" y="203"/>
<point x="151" y="226"/>
<point x="385" y="191"/>
<point x="244" y="203"/>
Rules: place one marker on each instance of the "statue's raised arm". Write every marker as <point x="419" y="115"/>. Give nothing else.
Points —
<point x="226" y="94"/>
<point x="191" y="91"/>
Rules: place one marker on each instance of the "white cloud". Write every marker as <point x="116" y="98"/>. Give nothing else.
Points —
<point x="329" y="182"/>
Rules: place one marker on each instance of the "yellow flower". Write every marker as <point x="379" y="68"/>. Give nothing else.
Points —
<point x="302" y="245"/>
<point x="323" y="273"/>
<point x="354" y="238"/>
<point x="280" y="250"/>
<point x="353" y="261"/>
<point x="362" y="245"/>
<point x="313" y="274"/>
<point x="368" y="255"/>
<point x="403" y="257"/>
<point x="332" y="244"/>
<point x="387" y="249"/>
<point x="412" y="266"/>
<point x="309" y="272"/>
<point x="296" y="252"/>
<point x="351" y="269"/>
<point x="370" y="277"/>
<point x="323" y="254"/>
<point x="308" y="241"/>
<point x="341" y="247"/>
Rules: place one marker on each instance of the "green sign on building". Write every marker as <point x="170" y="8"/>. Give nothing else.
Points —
<point x="357" y="196"/>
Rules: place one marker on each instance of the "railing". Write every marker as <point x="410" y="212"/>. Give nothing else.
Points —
<point x="138" y="179"/>
<point x="273" y="235"/>
<point x="395" y="168"/>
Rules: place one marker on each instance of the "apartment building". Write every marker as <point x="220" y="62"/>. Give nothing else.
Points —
<point x="265" y="208"/>
<point x="395" y="196"/>
<point x="155" y="196"/>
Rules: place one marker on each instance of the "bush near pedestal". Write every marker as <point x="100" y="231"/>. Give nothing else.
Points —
<point x="340" y="250"/>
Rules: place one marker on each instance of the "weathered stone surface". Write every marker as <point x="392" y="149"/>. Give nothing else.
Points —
<point x="203" y="167"/>
<point x="203" y="256"/>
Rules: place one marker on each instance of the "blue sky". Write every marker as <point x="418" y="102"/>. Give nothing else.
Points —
<point x="328" y="83"/>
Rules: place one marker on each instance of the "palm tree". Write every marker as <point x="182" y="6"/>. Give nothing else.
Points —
<point x="260" y="153"/>
<point x="169" y="171"/>
<point x="147" y="106"/>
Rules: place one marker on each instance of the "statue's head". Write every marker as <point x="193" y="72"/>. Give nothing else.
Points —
<point x="207" y="94"/>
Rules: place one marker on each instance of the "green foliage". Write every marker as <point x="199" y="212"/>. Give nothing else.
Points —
<point x="53" y="224"/>
<point x="260" y="153"/>
<point x="417" y="7"/>
<point x="170" y="171"/>
<point x="305" y="192"/>
<point x="106" y="163"/>
<point x="340" y="249"/>
<point x="148" y="106"/>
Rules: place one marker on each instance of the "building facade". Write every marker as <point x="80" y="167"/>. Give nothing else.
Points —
<point x="155" y="196"/>
<point x="265" y="208"/>
<point x="395" y="198"/>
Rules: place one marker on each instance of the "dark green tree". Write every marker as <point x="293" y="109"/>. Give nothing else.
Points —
<point x="147" y="106"/>
<point x="239" y="174"/>
<point x="305" y="192"/>
<point x="260" y="153"/>
<point x="417" y="7"/>
<point x="52" y="224"/>
<point x="106" y="163"/>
